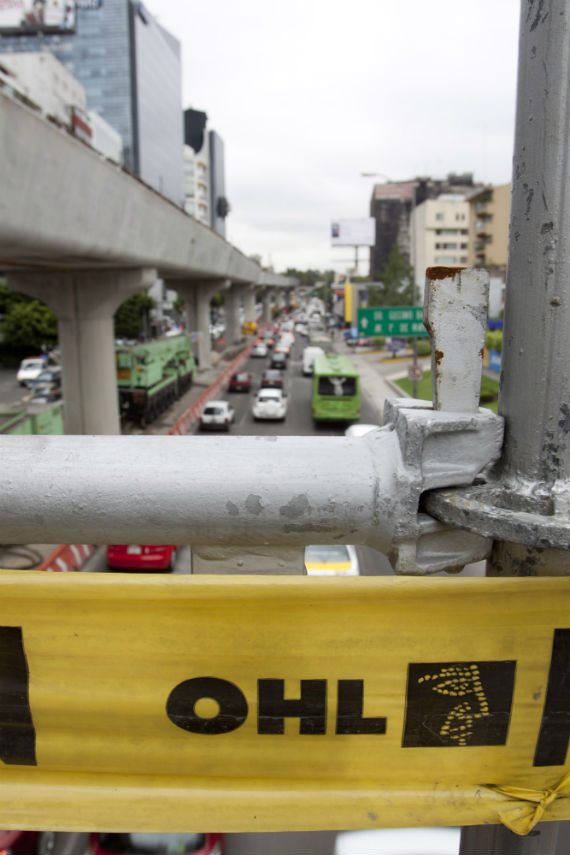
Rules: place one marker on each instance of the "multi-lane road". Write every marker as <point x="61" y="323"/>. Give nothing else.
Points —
<point x="297" y="423"/>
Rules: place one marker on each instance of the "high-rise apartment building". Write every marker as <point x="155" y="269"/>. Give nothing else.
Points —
<point x="130" y="68"/>
<point x="204" y="172"/>
<point x="439" y="235"/>
<point x="489" y="229"/>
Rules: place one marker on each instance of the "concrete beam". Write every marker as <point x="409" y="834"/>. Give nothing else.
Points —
<point x="63" y="205"/>
<point x="84" y="303"/>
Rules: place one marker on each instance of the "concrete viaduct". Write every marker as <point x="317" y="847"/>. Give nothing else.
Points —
<point x="81" y="234"/>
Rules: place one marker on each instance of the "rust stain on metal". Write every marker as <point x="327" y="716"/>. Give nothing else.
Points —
<point x="439" y="354"/>
<point x="433" y="273"/>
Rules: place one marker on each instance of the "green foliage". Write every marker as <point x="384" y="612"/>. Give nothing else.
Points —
<point x="424" y="347"/>
<point x="9" y="298"/>
<point x="494" y="340"/>
<point x="378" y="342"/>
<point x="488" y="396"/>
<point x="28" y="326"/>
<point x="396" y="282"/>
<point x="179" y="304"/>
<point x="132" y="317"/>
<point x="217" y="300"/>
<point x="311" y="277"/>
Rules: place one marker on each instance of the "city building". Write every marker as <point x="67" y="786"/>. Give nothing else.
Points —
<point x="41" y="82"/>
<point x="45" y="82"/>
<point x="489" y="228"/>
<point x="204" y="172"/>
<point x="130" y="69"/>
<point x="439" y="235"/>
<point x="219" y="203"/>
<point x="392" y="204"/>
<point x="197" y="166"/>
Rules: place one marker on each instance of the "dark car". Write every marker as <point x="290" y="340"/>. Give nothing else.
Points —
<point x="240" y="382"/>
<point x="272" y="379"/>
<point x="278" y="360"/>
<point x="156" y="844"/>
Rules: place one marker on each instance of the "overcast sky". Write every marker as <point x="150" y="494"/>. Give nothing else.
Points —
<point x="307" y="94"/>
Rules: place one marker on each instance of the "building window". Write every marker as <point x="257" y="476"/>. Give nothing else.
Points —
<point x="439" y="217"/>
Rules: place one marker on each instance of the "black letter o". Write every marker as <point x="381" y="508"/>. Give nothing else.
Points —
<point x="182" y="700"/>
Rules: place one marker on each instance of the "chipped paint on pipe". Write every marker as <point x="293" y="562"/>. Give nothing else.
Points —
<point x="535" y="381"/>
<point x="455" y="315"/>
<point x="207" y="490"/>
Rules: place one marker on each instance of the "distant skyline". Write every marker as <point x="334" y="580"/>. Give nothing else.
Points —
<point x="309" y="94"/>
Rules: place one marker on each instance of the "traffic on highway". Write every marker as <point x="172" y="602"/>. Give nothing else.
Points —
<point x="262" y="401"/>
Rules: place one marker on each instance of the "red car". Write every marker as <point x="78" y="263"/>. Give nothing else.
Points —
<point x="272" y="379"/>
<point x="136" y="557"/>
<point x="240" y="382"/>
<point x="80" y="843"/>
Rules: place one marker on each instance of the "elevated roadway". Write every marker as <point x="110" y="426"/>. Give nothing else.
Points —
<point x="80" y="233"/>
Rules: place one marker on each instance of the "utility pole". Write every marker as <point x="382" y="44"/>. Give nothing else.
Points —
<point x="535" y="387"/>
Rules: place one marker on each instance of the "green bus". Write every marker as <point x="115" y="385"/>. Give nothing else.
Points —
<point x="336" y="389"/>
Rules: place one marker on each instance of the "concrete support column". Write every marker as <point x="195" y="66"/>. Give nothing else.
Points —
<point x="198" y="295"/>
<point x="232" y="306"/>
<point x="266" y="300"/>
<point x="84" y="302"/>
<point x="249" y="303"/>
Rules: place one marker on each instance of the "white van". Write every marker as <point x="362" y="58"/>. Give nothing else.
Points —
<point x="309" y="354"/>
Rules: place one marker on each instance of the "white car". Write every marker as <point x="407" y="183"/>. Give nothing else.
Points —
<point x="399" y="841"/>
<point x="331" y="560"/>
<point x="30" y="369"/>
<point x="217" y="415"/>
<point x="270" y="404"/>
<point x="259" y="349"/>
<point x="359" y="429"/>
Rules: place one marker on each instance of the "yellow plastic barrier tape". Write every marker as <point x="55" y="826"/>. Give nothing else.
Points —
<point x="275" y="703"/>
<point x="523" y="817"/>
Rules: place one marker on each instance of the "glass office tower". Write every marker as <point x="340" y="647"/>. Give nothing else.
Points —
<point x="131" y="71"/>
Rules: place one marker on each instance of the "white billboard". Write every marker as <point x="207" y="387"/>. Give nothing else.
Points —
<point x="353" y="232"/>
<point x="24" y="17"/>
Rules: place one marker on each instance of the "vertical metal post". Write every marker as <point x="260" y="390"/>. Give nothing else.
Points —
<point x="535" y="381"/>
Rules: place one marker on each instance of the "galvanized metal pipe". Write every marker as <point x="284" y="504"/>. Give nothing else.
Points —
<point x="204" y="490"/>
<point x="535" y="382"/>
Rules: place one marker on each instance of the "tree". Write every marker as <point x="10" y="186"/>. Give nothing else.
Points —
<point x="132" y="317"/>
<point x="28" y="326"/>
<point x="396" y="282"/>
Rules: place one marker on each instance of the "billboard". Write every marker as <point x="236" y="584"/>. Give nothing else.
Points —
<point x="28" y="17"/>
<point x="359" y="232"/>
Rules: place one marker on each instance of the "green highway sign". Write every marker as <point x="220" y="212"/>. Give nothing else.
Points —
<point x="391" y="321"/>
